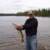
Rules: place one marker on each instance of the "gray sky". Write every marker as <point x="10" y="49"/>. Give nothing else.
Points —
<point x="13" y="6"/>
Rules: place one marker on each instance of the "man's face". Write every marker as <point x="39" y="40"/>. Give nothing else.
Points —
<point x="30" y="15"/>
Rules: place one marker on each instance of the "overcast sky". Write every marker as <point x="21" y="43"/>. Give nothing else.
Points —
<point x="13" y="6"/>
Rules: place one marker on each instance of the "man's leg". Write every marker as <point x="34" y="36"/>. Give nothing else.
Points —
<point x="34" y="42"/>
<point x="28" y="43"/>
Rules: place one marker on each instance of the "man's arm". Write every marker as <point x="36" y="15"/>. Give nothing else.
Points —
<point x="30" y="25"/>
<point x="27" y="26"/>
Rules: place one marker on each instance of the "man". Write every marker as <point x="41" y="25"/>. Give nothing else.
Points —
<point x="30" y="28"/>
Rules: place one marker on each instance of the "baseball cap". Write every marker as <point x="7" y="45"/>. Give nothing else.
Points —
<point x="30" y="12"/>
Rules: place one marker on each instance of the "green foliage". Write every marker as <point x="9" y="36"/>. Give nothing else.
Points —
<point x="43" y="12"/>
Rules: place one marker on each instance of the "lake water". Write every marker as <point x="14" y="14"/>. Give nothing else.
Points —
<point x="9" y="36"/>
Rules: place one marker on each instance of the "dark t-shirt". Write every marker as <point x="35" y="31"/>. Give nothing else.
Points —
<point x="30" y="26"/>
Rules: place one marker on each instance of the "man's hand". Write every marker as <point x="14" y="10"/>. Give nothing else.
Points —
<point x="19" y="27"/>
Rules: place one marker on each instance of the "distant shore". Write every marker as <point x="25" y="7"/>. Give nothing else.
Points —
<point x="2" y="14"/>
<point x="40" y="13"/>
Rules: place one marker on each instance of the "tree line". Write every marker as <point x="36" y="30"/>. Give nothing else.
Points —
<point x="43" y="12"/>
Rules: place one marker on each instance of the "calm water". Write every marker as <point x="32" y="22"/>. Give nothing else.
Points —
<point x="9" y="35"/>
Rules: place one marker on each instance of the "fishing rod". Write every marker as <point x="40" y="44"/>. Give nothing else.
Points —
<point x="19" y="31"/>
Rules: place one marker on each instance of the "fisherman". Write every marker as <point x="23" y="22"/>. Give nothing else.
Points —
<point x="30" y="28"/>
